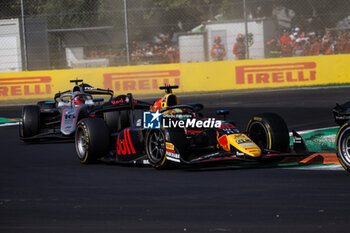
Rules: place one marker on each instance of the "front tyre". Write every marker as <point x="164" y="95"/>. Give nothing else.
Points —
<point x="342" y="146"/>
<point x="269" y="131"/>
<point x="30" y="124"/>
<point x="91" y="140"/>
<point x="156" y="149"/>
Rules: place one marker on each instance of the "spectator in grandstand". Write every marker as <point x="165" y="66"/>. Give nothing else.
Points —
<point x="134" y="57"/>
<point x="156" y="55"/>
<point x="316" y="46"/>
<point x="298" y="49"/>
<point x="163" y="54"/>
<point x="347" y="43"/>
<point x="286" y="44"/>
<point x="134" y="46"/>
<point x="327" y="47"/>
<point x="274" y="46"/>
<point x="171" y="53"/>
<point x="93" y="53"/>
<point x="218" y="51"/>
<point x="239" y="48"/>
<point x="112" y="57"/>
<point x="328" y="36"/>
<point x="294" y="34"/>
<point x="340" y="43"/>
<point x="296" y="43"/>
<point x="307" y="47"/>
<point x="148" y="53"/>
<point x="177" y="55"/>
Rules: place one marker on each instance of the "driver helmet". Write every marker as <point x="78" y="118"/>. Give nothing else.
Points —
<point x="240" y="37"/>
<point x="173" y="111"/>
<point x="79" y="99"/>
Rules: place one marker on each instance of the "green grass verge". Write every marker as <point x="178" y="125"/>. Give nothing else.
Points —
<point x="320" y="140"/>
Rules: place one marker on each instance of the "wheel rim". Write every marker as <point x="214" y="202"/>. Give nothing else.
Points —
<point x="81" y="143"/>
<point x="156" y="146"/>
<point x="345" y="147"/>
<point x="258" y="133"/>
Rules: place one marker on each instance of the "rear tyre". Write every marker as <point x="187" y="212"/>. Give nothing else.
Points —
<point x="156" y="149"/>
<point x="124" y="120"/>
<point x="342" y="146"/>
<point x="30" y="124"/>
<point x="269" y="131"/>
<point x="91" y="140"/>
<point x="111" y="119"/>
<point x="117" y="120"/>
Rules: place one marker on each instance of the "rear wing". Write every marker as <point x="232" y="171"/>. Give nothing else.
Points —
<point x="98" y="91"/>
<point x="86" y="88"/>
<point x="122" y="102"/>
<point x="168" y="89"/>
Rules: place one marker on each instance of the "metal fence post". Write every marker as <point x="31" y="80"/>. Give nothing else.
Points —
<point x="25" y="63"/>
<point x="126" y="33"/>
<point x="246" y="28"/>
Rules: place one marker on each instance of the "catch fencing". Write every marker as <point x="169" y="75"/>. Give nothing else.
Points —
<point x="65" y="34"/>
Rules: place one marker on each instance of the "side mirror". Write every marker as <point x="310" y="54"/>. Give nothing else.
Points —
<point x="96" y="100"/>
<point x="222" y="113"/>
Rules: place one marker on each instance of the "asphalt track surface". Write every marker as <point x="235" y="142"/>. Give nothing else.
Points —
<point x="44" y="188"/>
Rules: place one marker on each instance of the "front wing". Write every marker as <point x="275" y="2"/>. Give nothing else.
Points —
<point x="299" y="150"/>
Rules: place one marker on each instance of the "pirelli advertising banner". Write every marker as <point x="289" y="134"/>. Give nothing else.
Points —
<point x="191" y="77"/>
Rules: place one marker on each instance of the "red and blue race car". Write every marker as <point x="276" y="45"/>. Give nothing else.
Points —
<point x="166" y="134"/>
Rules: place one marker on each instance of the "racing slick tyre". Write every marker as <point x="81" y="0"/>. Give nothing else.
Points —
<point x="124" y="120"/>
<point x="30" y="124"/>
<point x="342" y="146"/>
<point x="111" y="119"/>
<point x="91" y="140"/>
<point x="156" y="149"/>
<point x="117" y="120"/>
<point x="269" y="131"/>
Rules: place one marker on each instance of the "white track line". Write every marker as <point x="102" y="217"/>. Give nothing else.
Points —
<point x="9" y="124"/>
<point x="320" y="167"/>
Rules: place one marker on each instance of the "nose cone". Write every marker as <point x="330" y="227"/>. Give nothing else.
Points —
<point x="244" y="144"/>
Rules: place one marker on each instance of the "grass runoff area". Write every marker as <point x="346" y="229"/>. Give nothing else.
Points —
<point x="7" y="120"/>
